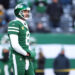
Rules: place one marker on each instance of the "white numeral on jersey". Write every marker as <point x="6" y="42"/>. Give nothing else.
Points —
<point x="27" y="37"/>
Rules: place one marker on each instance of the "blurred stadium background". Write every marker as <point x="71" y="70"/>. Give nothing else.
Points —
<point x="52" y="28"/>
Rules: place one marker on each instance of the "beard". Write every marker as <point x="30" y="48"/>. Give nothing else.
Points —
<point x="26" y="17"/>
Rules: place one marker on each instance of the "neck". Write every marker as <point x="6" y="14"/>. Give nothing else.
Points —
<point x="20" y="19"/>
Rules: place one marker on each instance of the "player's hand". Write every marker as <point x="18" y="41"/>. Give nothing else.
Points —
<point x="28" y="54"/>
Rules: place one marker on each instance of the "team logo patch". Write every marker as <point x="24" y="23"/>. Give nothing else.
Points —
<point x="22" y="27"/>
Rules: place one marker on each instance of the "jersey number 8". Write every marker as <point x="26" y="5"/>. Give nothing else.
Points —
<point x="27" y="37"/>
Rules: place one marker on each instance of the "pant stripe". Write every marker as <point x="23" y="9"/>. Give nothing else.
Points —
<point x="6" y="70"/>
<point x="27" y="64"/>
<point x="15" y="65"/>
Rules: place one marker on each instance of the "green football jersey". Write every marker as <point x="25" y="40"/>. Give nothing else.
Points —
<point x="20" y="28"/>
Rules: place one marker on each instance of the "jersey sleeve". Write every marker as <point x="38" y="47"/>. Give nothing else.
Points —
<point x="13" y="27"/>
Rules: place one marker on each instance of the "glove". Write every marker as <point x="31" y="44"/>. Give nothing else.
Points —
<point x="32" y="53"/>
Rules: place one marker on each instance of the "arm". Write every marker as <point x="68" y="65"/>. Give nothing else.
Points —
<point x="15" y="44"/>
<point x="61" y="10"/>
<point x="55" y="63"/>
<point x="48" y="10"/>
<point x="67" y="64"/>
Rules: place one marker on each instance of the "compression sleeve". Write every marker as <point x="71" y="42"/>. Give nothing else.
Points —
<point x="15" y="44"/>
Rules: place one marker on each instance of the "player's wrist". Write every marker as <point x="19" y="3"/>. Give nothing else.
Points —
<point x="31" y="53"/>
<point x="28" y="54"/>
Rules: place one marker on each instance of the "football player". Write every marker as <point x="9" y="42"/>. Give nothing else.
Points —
<point x="19" y="34"/>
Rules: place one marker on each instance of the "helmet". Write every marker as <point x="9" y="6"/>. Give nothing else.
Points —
<point x="19" y="8"/>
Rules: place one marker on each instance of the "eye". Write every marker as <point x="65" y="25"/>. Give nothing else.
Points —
<point x="26" y="11"/>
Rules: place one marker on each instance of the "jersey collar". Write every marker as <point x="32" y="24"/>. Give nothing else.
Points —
<point x="22" y="21"/>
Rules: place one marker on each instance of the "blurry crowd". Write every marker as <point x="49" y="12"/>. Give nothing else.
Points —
<point x="46" y="15"/>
